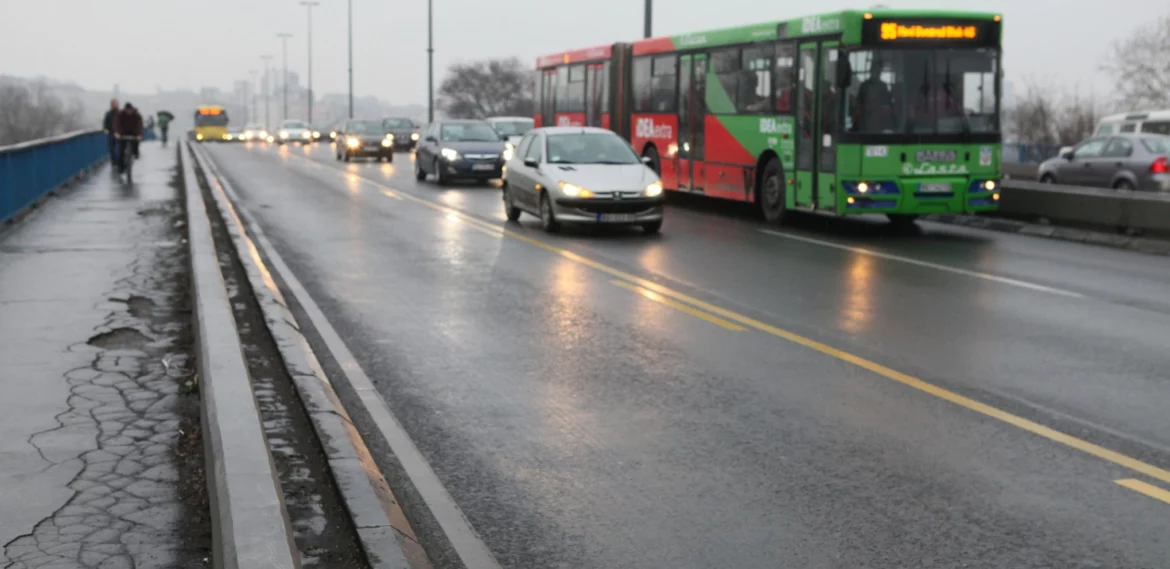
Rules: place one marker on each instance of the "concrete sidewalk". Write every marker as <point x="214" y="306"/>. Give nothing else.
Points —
<point x="101" y="462"/>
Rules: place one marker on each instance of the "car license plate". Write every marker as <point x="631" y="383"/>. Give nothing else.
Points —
<point x="934" y="188"/>
<point x="615" y="217"/>
<point x="483" y="166"/>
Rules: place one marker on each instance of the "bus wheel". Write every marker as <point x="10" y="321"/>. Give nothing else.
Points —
<point x="770" y="193"/>
<point x="652" y="154"/>
<point x="902" y="220"/>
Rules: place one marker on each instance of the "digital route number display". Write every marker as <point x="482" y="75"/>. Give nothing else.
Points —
<point x="918" y="32"/>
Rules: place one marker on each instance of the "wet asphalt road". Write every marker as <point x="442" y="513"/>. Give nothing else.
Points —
<point x="578" y="423"/>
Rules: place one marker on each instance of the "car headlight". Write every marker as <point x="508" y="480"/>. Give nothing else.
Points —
<point x="509" y="152"/>
<point x="653" y="190"/>
<point x="316" y="134"/>
<point x="353" y="142"/>
<point x="388" y="141"/>
<point x="574" y="191"/>
<point x="306" y="134"/>
<point x="264" y="134"/>
<point x="414" y="136"/>
<point x="284" y="134"/>
<point x="450" y="154"/>
<point x="332" y="135"/>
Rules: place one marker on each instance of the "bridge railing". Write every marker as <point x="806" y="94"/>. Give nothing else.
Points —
<point x="30" y="170"/>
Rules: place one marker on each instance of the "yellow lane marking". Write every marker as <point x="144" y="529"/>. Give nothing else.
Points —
<point x="879" y="369"/>
<point x="389" y="193"/>
<point x="680" y="306"/>
<point x="1147" y="489"/>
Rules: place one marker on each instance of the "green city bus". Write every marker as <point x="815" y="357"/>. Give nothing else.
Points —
<point x="884" y="111"/>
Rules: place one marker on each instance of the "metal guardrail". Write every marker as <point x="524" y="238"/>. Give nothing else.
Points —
<point x="30" y="170"/>
<point x="1078" y="205"/>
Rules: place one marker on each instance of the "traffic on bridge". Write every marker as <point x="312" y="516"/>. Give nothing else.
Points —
<point x="766" y="295"/>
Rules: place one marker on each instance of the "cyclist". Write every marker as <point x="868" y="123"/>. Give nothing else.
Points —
<point x="164" y="121"/>
<point x="108" y="127"/>
<point x="128" y="128"/>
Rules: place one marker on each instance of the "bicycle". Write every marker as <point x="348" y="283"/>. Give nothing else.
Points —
<point x="127" y="156"/>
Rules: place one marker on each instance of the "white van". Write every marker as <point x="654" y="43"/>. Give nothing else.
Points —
<point x="1151" y="122"/>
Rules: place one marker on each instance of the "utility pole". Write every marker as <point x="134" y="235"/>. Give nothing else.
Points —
<point x="430" y="61"/>
<point x="255" y="89"/>
<point x="267" y="92"/>
<point x="284" y="41"/>
<point x="649" y="19"/>
<point x="309" y="5"/>
<point x="350" y="4"/>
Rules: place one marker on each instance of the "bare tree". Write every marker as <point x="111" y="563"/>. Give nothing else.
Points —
<point x="494" y="87"/>
<point x="1076" y="117"/>
<point x="1140" y="66"/>
<point x="32" y="111"/>
<point x="1033" y="116"/>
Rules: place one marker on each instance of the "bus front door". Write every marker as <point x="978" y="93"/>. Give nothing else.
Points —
<point x="817" y="114"/>
<point x="692" y="95"/>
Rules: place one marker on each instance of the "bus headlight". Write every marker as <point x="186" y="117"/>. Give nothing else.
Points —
<point x="990" y="185"/>
<point x="198" y="137"/>
<point x="654" y="190"/>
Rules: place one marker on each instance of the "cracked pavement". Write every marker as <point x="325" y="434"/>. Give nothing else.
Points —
<point x="100" y="455"/>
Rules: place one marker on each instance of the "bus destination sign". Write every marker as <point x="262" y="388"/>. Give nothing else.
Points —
<point x="970" y="32"/>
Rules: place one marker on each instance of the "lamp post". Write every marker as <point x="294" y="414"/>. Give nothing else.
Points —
<point x="255" y="89"/>
<point x="430" y="62"/>
<point x="350" y="5"/>
<point x="284" y="79"/>
<point x="649" y="11"/>
<point x="267" y="92"/>
<point x="309" y="5"/>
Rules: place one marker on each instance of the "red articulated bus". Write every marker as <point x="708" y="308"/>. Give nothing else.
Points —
<point x="584" y="87"/>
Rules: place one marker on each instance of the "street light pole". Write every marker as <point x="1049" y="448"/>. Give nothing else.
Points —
<point x="649" y="13"/>
<point x="267" y="91"/>
<point x="430" y="62"/>
<point x="284" y="47"/>
<point x="255" y="88"/>
<point x="350" y="4"/>
<point x="309" y="4"/>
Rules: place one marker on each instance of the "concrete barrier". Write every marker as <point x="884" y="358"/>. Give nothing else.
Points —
<point x="250" y="524"/>
<point x="1082" y="206"/>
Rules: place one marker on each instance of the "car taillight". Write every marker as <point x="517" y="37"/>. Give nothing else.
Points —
<point x="1160" y="166"/>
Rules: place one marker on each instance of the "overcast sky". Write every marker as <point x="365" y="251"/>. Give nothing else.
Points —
<point x="144" y="44"/>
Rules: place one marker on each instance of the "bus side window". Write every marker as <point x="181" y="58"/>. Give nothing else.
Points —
<point x="1156" y="127"/>
<point x="664" y="98"/>
<point x="784" y="78"/>
<point x="1128" y="127"/>
<point x="642" y="88"/>
<point x="725" y="65"/>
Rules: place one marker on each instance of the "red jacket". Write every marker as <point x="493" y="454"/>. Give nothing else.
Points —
<point x="128" y="123"/>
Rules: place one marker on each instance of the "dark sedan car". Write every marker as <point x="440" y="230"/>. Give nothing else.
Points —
<point x="364" y="138"/>
<point x="1122" y="161"/>
<point x="405" y="131"/>
<point x="459" y="149"/>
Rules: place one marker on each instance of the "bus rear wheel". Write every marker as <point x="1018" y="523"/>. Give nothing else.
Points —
<point x="770" y="193"/>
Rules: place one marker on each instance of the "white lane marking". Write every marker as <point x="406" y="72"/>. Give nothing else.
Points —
<point x="463" y="538"/>
<point x="927" y="264"/>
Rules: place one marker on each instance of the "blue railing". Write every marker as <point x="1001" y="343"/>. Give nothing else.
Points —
<point x="30" y="170"/>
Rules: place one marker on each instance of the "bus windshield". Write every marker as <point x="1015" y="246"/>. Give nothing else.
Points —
<point x="203" y="118"/>
<point x="923" y="91"/>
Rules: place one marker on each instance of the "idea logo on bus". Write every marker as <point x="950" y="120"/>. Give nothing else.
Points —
<point x="572" y="119"/>
<point x="646" y="128"/>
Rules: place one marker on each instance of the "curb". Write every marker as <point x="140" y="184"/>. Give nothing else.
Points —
<point x="383" y="531"/>
<point x="1072" y="234"/>
<point x="250" y="524"/>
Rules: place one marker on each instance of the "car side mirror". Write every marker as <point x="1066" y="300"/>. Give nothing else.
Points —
<point x="1066" y="153"/>
<point x="430" y="139"/>
<point x="532" y="163"/>
<point x="647" y="161"/>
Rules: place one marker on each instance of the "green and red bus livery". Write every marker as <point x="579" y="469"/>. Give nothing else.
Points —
<point x="882" y="111"/>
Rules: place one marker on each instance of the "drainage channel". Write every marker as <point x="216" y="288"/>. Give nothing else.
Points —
<point x="322" y="528"/>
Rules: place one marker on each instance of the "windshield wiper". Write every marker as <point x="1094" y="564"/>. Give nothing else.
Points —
<point x="610" y="162"/>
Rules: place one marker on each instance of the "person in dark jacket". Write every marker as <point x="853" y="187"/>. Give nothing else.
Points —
<point x="108" y="127"/>
<point x="128" y="127"/>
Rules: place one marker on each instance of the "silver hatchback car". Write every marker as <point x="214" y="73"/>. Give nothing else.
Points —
<point x="1122" y="161"/>
<point x="581" y="175"/>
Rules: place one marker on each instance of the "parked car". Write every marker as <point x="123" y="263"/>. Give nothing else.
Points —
<point x="1124" y="162"/>
<point x="405" y="131"/>
<point x="452" y="149"/>
<point x="364" y="138"/>
<point x="294" y="131"/>
<point x="511" y="129"/>
<point x="582" y="175"/>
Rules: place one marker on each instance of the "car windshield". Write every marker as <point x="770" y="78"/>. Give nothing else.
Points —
<point x="513" y="128"/>
<point x="913" y="91"/>
<point x="1157" y="145"/>
<point x="398" y="123"/>
<point x="589" y="148"/>
<point x="468" y="132"/>
<point x="365" y="127"/>
<point x="292" y="124"/>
